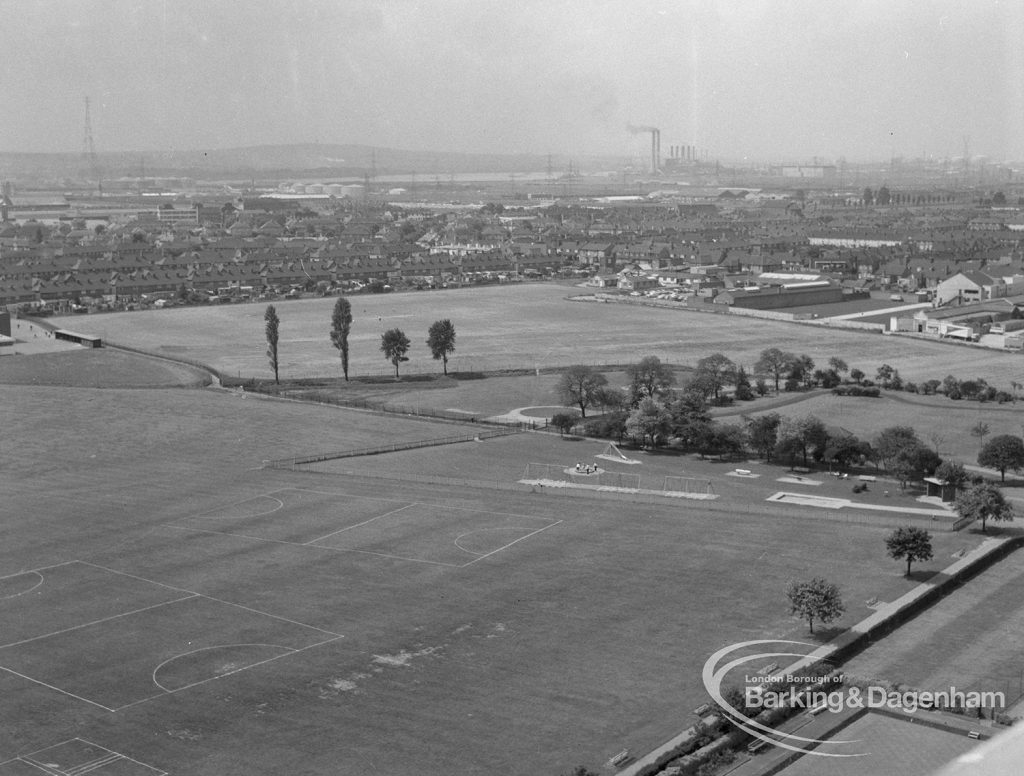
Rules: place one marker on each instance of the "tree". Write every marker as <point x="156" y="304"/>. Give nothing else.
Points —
<point x="341" y="325"/>
<point x="609" y="398"/>
<point x="895" y="441"/>
<point x="838" y="366"/>
<point x="983" y="502"/>
<point x="856" y="375"/>
<point x="815" y="599"/>
<point x="884" y="375"/>
<point x="650" y="421"/>
<point x="913" y="463"/>
<point x="800" y="436"/>
<point x="1003" y="452"/>
<point x="844" y="449"/>
<point x="719" y="370"/>
<point x="394" y="345"/>
<point x="910" y="543"/>
<point x="564" y="421"/>
<point x="579" y="386"/>
<point x="273" y="325"/>
<point x="979" y="429"/>
<point x="774" y="363"/>
<point x="763" y="433"/>
<point x="649" y="378"/>
<point x="952" y="473"/>
<point x="441" y="340"/>
<point x="743" y="390"/>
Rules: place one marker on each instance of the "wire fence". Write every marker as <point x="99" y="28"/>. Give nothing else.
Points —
<point x="291" y="463"/>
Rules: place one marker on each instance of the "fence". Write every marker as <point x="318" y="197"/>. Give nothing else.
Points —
<point x="676" y="484"/>
<point x="550" y="472"/>
<point x="290" y="463"/>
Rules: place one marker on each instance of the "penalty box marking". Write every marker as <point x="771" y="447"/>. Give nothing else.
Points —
<point x="187" y="595"/>
<point x="49" y="761"/>
<point x="405" y="505"/>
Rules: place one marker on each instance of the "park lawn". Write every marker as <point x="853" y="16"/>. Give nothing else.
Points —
<point x="521" y="326"/>
<point x="940" y="422"/>
<point x="98" y="368"/>
<point x="564" y="646"/>
<point x="969" y="640"/>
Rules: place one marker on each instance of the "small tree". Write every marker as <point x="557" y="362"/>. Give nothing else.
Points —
<point x="910" y="543"/>
<point x="763" y="433"/>
<point x="1001" y="453"/>
<point x="979" y="429"/>
<point x="441" y="341"/>
<point x="579" y="386"/>
<point x="341" y="325"/>
<point x="816" y="599"/>
<point x="838" y="366"/>
<point x="650" y="421"/>
<point x="983" y="502"/>
<point x="273" y="325"/>
<point x="564" y="421"/>
<point x="394" y="345"/>
<point x="856" y="375"/>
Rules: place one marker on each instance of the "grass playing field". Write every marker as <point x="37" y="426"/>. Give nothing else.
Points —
<point x="524" y="326"/>
<point x="166" y="599"/>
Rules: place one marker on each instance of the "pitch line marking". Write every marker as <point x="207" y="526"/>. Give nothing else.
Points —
<point x="136" y="576"/>
<point x="97" y="622"/>
<point x="203" y="515"/>
<point x="192" y="593"/>
<point x="236" y="535"/>
<point x="324" y="547"/>
<point x="521" y="538"/>
<point x="58" y="689"/>
<point x="229" y="673"/>
<point x="288" y="650"/>
<point x="378" y="517"/>
<point x="420" y="503"/>
<point x="481" y="530"/>
<point x="37" y="570"/>
<point x="23" y="592"/>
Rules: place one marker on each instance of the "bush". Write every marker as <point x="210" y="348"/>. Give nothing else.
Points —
<point x="611" y="425"/>
<point x="856" y="390"/>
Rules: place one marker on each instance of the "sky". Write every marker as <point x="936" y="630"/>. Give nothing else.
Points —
<point x="763" y="80"/>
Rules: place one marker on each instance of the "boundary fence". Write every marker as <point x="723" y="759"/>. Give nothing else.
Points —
<point x="290" y="463"/>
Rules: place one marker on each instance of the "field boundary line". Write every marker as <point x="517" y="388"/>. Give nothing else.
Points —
<point x="420" y="503"/>
<point x="97" y="622"/>
<point x="136" y="576"/>
<point x="58" y="689"/>
<point x="220" y="600"/>
<point x="357" y="525"/>
<point x="505" y="547"/>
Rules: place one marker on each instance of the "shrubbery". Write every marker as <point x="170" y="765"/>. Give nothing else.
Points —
<point x="856" y="390"/>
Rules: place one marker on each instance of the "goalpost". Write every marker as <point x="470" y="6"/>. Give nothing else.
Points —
<point x="676" y="484"/>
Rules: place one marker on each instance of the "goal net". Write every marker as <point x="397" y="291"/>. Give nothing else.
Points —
<point x="675" y="484"/>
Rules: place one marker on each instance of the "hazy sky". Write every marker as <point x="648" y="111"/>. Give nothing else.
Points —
<point x="765" y="79"/>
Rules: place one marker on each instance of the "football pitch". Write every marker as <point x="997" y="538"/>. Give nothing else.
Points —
<point x="167" y="604"/>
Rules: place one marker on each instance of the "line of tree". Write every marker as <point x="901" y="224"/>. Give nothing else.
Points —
<point x="394" y="343"/>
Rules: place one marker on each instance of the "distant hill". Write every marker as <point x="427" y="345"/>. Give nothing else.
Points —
<point x="302" y="160"/>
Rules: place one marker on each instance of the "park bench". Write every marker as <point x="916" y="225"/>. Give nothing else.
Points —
<point x="756" y="746"/>
<point x="619" y="758"/>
